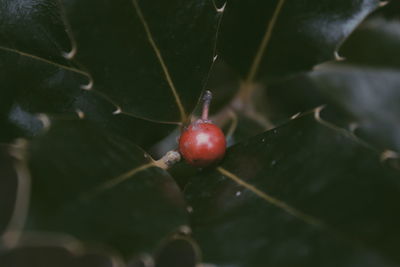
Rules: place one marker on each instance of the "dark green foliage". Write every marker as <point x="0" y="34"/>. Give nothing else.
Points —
<point x="306" y="32"/>
<point x="338" y="192"/>
<point x="93" y="93"/>
<point x="121" y="60"/>
<point x="93" y="189"/>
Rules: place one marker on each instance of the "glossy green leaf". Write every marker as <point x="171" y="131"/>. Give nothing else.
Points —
<point x="360" y="92"/>
<point x="33" y="44"/>
<point x="369" y="97"/>
<point x="304" y="194"/>
<point x="302" y="33"/>
<point x="363" y="98"/>
<point x="151" y="58"/>
<point x="34" y="27"/>
<point x="101" y="189"/>
<point x="40" y="86"/>
<point x="32" y="86"/>
<point x="43" y="87"/>
<point x="97" y="109"/>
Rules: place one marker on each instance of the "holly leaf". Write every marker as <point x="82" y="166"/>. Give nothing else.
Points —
<point x="368" y="97"/>
<point x="34" y="28"/>
<point x="57" y="90"/>
<point x="151" y="58"/>
<point x="303" y="194"/>
<point x="33" y="85"/>
<point x="360" y="93"/>
<point x="95" y="108"/>
<point x="101" y="189"/>
<point x="41" y="86"/>
<point x="280" y="37"/>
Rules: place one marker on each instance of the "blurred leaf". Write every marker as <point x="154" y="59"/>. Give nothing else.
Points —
<point x="14" y="192"/>
<point x="390" y="10"/>
<point x="34" y="27"/>
<point x="69" y="254"/>
<point x="224" y="83"/>
<point x="306" y="32"/>
<point x="23" y="123"/>
<point x="178" y="252"/>
<point x="123" y="52"/>
<point x="8" y="188"/>
<point x="313" y="196"/>
<point x="101" y="189"/>
<point x="241" y="127"/>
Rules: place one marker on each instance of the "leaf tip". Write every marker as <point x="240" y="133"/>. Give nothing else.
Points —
<point x="383" y="3"/>
<point x="88" y="86"/>
<point x="338" y="57"/>
<point x="295" y="116"/>
<point x="219" y="9"/>
<point x="71" y="54"/>
<point x="185" y="230"/>
<point x="80" y="113"/>
<point x="117" y="111"/>
<point x="388" y="154"/>
<point x="45" y="120"/>
<point x="215" y="58"/>
<point x="353" y="127"/>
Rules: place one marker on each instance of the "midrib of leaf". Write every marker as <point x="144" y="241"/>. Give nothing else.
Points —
<point x="274" y="201"/>
<point x="44" y="60"/>
<point x="164" y="67"/>
<point x="117" y="180"/>
<point x="264" y="43"/>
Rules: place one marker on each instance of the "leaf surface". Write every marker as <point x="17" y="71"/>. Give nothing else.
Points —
<point x="279" y="37"/>
<point x="101" y="189"/>
<point x="36" y="28"/>
<point x="304" y="194"/>
<point x="375" y="43"/>
<point x="151" y="58"/>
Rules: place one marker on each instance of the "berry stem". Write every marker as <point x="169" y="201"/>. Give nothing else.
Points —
<point x="206" y="105"/>
<point x="169" y="159"/>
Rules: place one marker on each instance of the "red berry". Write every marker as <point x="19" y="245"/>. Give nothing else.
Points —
<point x="202" y="144"/>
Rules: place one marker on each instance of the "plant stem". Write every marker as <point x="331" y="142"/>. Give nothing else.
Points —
<point x="206" y="105"/>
